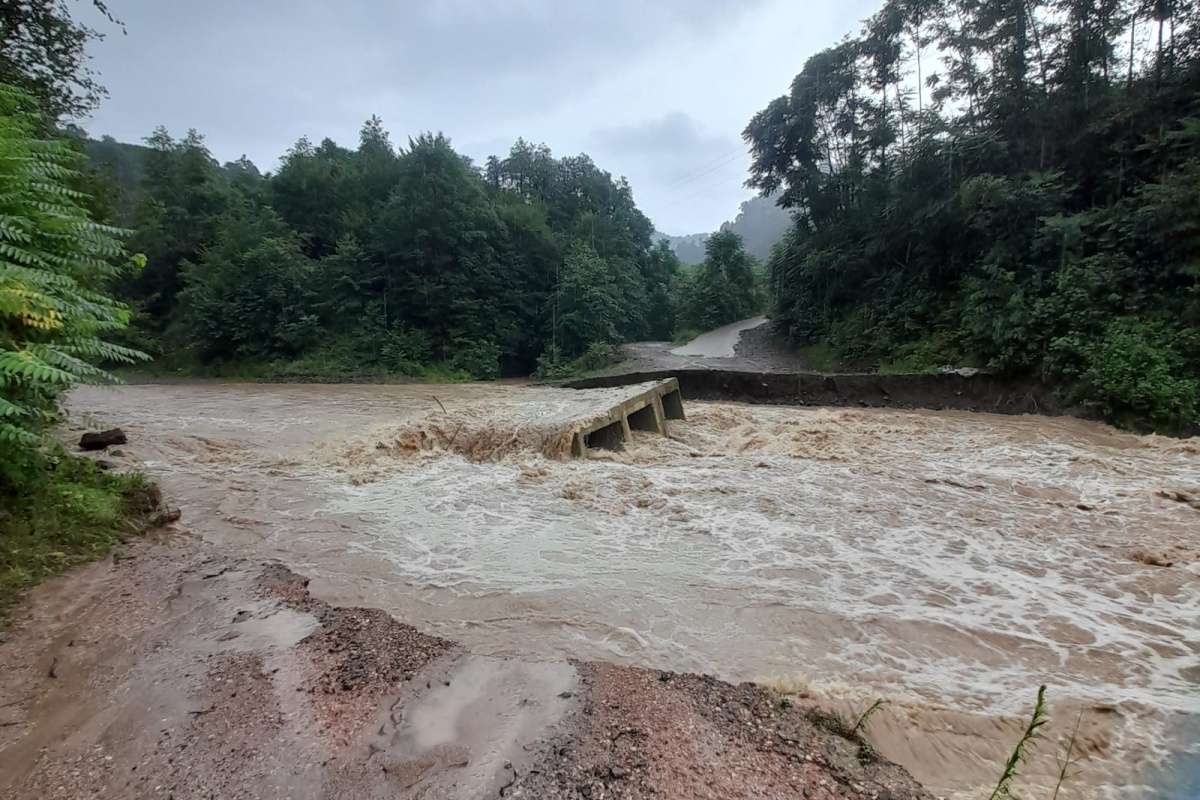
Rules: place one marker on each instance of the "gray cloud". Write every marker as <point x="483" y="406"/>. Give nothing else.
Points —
<point x="661" y="137"/>
<point x="578" y="75"/>
<point x="671" y="160"/>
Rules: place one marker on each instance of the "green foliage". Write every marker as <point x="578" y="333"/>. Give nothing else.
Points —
<point x="685" y="335"/>
<point x="479" y="358"/>
<point x="1009" y="210"/>
<point x="760" y="222"/>
<point x="386" y="260"/>
<point x="438" y="236"/>
<point x="1134" y="373"/>
<point x="1020" y="753"/>
<point x="404" y="350"/>
<point x="42" y="54"/>
<point x="818" y="357"/>
<point x="661" y="273"/>
<point x="598" y="356"/>
<point x="837" y="723"/>
<point x="253" y="292"/>
<point x="864" y="719"/>
<point x="67" y="512"/>
<point x="183" y="199"/>
<point x="924" y="355"/>
<point x="588" y="300"/>
<point x="724" y="288"/>
<point x="55" y="265"/>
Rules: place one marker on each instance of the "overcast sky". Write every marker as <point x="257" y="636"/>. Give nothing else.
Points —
<point x="656" y="90"/>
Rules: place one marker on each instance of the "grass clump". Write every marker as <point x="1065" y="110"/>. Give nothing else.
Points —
<point x="819" y="357"/>
<point x="69" y="512"/>
<point x="685" y="335"/>
<point x="864" y="719"/>
<point x="1020" y="753"/>
<point x="598" y="356"/>
<point x="841" y="725"/>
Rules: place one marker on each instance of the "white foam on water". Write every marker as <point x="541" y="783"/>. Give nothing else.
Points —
<point x="944" y="560"/>
<point x="959" y="561"/>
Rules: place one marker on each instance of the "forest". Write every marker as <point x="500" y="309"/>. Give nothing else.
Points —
<point x="375" y="258"/>
<point x="412" y="261"/>
<point x="1008" y="185"/>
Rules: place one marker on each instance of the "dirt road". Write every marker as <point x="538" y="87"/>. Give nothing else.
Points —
<point x="175" y="672"/>
<point x="751" y="345"/>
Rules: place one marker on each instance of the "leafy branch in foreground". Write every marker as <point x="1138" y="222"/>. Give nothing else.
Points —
<point x="55" y="267"/>
<point x="1032" y="732"/>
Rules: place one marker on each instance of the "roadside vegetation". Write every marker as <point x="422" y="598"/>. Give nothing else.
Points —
<point x="55" y="319"/>
<point x="68" y="512"/>
<point x="1013" y="186"/>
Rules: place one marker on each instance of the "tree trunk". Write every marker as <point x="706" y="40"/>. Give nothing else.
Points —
<point x="1158" y="58"/>
<point x="1132" y="38"/>
<point x="1087" y="62"/>
<point x="1019" y="48"/>
<point x="1018" y="123"/>
<point x="920" y="86"/>
<point x="1037" y="42"/>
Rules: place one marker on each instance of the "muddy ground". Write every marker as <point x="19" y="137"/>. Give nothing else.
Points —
<point x="174" y="671"/>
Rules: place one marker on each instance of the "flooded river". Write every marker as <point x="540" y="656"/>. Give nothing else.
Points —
<point x="947" y="562"/>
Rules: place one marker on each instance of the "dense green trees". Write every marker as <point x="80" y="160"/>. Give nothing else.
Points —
<point x="438" y="238"/>
<point x="382" y="259"/>
<point x="1011" y="185"/>
<point x="724" y="288"/>
<point x="588" y="301"/>
<point x="252" y="293"/>
<point x="183" y="197"/>
<point x="57" y="315"/>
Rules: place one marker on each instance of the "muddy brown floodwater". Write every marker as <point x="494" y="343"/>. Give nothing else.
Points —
<point x="947" y="562"/>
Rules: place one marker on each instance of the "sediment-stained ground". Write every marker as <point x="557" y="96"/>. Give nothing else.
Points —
<point x="175" y="672"/>
<point x="947" y="562"/>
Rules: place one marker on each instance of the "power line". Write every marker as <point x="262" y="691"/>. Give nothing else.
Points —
<point x="706" y="169"/>
<point x="693" y="192"/>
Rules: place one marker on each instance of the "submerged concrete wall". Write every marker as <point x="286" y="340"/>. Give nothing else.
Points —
<point x="949" y="391"/>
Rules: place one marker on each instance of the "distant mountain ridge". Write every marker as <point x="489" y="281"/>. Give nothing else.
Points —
<point x="689" y="249"/>
<point x="759" y="222"/>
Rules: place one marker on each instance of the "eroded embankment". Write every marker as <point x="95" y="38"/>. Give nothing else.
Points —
<point x="979" y="392"/>
<point x="176" y="673"/>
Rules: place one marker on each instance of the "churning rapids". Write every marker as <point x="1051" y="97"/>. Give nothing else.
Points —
<point x="948" y="562"/>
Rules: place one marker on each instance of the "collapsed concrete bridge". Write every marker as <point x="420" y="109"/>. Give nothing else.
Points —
<point x="646" y="410"/>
